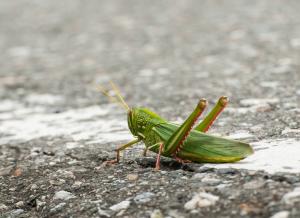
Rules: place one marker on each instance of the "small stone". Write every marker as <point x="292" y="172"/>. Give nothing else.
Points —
<point x="198" y="176"/>
<point x="132" y="177"/>
<point x="33" y="187"/>
<point x="248" y="209"/>
<point x="144" y="183"/>
<point x="39" y="204"/>
<point x="241" y="135"/>
<point x="222" y="186"/>
<point x="254" y="184"/>
<point x="290" y="105"/>
<point x="156" y="214"/>
<point x="202" y="199"/>
<point x="102" y="213"/>
<point x="292" y="179"/>
<point x="20" y="204"/>
<point x="287" y="130"/>
<point x="282" y="69"/>
<point x="211" y="181"/>
<point x="123" y="205"/>
<point x="144" y="197"/>
<point x="292" y="197"/>
<point x="73" y="162"/>
<point x="281" y="214"/>
<point x="6" y="171"/>
<point x="66" y="174"/>
<point x="16" y="212"/>
<point x="57" y="182"/>
<point x="77" y="184"/>
<point x="63" y="195"/>
<point x="259" y="101"/>
<point x="256" y="128"/>
<point x="175" y="214"/>
<point x="203" y="169"/>
<point x="227" y="171"/>
<point x="3" y="207"/>
<point x="52" y="163"/>
<point x="58" y="207"/>
<point x="240" y="110"/>
<point x="120" y="214"/>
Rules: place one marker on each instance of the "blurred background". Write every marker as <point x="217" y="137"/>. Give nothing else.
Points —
<point x="158" y="51"/>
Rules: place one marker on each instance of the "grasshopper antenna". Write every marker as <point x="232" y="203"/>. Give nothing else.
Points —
<point x="118" y="93"/>
<point x="113" y="99"/>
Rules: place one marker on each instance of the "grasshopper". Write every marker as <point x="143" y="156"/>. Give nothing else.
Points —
<point x="180" y="142"/>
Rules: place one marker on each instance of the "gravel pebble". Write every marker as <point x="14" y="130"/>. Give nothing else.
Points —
<point x="156" y="214"/>
<point x="20" y="204"/>
<point x="144" y="197"/>
<point x="281" y="214"/>
<point x="123" y="205"/>
<point x="254" y="184"/>
<point x="132" y="177"/>
<point x="211" y="181"/>
<point x="3" y="207"/>
<point x="63" y="195"/>
<point x="292" y="197"/>
<point x="202" y="199"/>
<point x="17" y="212"/>
<point x="58" y="207"/>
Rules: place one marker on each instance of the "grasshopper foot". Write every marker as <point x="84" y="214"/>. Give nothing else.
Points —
<point x="107" y="163"/>
<point x="178" y="159"/>
<point x="145" y="152"/>
<point x="114" y="161"/>
<point x="110" y="162"/>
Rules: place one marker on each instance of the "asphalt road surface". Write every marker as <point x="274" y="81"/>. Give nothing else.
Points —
<point x="56" y="129"/>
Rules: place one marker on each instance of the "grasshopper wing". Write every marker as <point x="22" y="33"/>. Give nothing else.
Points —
<point x="201" y="147"/>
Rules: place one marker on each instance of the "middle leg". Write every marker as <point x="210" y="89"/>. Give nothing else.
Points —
<point x="157" y="165"/>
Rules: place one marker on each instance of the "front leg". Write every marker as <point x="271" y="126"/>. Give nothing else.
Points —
<point x="122" y="147"/>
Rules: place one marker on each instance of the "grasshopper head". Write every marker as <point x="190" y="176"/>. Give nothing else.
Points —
<point x="141" y="119"/>
<point x="131" y="122"/>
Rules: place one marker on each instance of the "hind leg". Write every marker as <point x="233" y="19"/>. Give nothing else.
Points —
<point x="176" y="142"/>
<point x="212" y="116"/>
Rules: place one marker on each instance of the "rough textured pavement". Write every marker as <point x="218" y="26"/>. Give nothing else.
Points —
<point x="56" y="129"/>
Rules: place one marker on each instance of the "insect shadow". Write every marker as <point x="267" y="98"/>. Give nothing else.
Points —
<point x="166" y="164"/>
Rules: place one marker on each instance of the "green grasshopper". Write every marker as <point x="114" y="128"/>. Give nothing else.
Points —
<point x="180" y="142"/>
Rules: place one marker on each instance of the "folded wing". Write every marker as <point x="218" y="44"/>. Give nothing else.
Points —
<point x="201" y="147"/>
